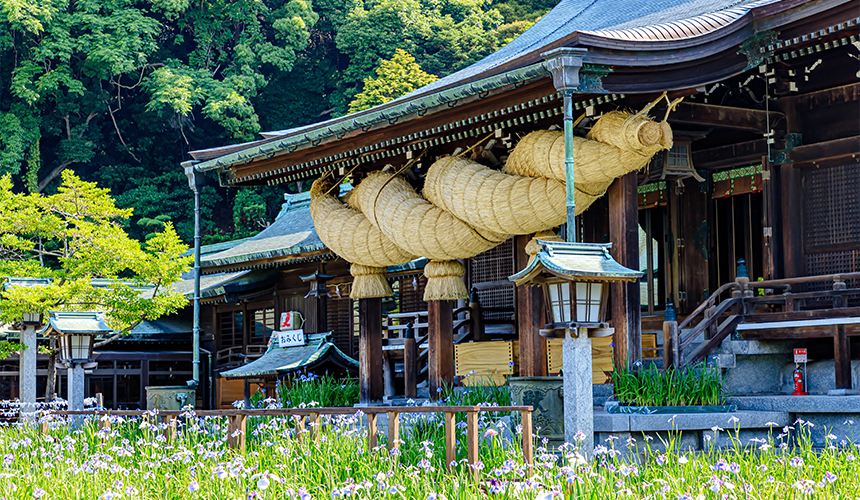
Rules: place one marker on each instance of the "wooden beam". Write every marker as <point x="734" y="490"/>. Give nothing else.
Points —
<point x="440" y="319"/>
<point x="440" y="116"/>
<point x="530" y="319"/>
<point x="370" y="350"/>
<point x="710" y="115"/>
<point x="842" y="357"/>
<point x="828" y="97"/>
<point x="624" y="235"/>
<point x="816" y="153"/>
<point x="849" y="312"/>
<point x="733" y="155"/>
<point x="797" y="333"/>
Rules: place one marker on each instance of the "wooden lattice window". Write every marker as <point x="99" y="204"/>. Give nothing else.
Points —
<point x="338" y="315"/>
<point x="230" y="327"/>
<point x="493" y="267"/>
<point x="262" y="326"/>
<point x="412" y="294"/>
<point x="832" y="219"/>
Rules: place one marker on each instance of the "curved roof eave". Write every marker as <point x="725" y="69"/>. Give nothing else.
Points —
<point x="609" y="47"/>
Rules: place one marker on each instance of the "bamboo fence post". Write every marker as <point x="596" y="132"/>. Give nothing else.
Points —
<point x="472" y="440"/>
<point x="371" y="431"/>
<point x="528" y="440"/>
<point x="450" y="438"/>
<point x="44" y="425"/>
<point x="236" y="432"/>
<point x="393" y="431"/>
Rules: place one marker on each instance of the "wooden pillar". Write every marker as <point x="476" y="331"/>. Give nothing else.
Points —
<point x="370" y="349"/>
<point x="842" y="358"/>
<point x="791" y="228"/>
<point x="841" y="343"/>
<point x="440" y="317"/>
<point x="531" y="317"/>
<point x="410" y="368"/>
<point x="624" y="235"/>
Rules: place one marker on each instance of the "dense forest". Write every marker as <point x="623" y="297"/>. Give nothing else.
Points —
<point x="120" y="90"/>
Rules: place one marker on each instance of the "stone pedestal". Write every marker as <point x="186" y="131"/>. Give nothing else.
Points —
<point x="27" y="374"/>
<point x="578" y="397"/>
<point x="76" y="386"/>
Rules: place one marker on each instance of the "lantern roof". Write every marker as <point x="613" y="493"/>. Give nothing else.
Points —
<point x="317" y="276"/>
<point x="17" y="281"/>
<point x="575" y="262"/>
<point x="76" y="322"/>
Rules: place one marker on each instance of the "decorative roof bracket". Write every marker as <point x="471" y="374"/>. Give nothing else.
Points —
<point x="758" y="48"/>
<point x="782" y="156"/>
<point x="591" y="78"/>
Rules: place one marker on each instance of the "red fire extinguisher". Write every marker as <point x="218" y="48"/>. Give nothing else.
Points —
<point x="799" y="383"/>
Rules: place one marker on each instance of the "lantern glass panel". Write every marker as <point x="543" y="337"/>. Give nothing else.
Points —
<point x="32" y="318"/>
<point x="559" y="301"/>
<point x="588" y="298"/>
<point x="75" y="347"/>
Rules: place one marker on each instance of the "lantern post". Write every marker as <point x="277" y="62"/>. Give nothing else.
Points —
<point x="76" y="332"/>
<point x="29" y="323"/>
<point x="575" y="279"/>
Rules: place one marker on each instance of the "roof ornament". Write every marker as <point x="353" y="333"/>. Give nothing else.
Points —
<point x="758" y="48"/>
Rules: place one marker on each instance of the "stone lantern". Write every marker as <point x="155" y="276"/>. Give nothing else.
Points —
<point x="76" y="332"/>
<point x="575" y="279"/>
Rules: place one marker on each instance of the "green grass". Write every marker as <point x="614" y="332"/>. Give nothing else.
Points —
<point x="700" y="385"/>
<point x="133" y="460"/>
<point x="313" y="390"/>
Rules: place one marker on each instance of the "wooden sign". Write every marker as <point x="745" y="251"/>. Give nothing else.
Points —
<point x="800" y="355"/>
<point x="291" y="338"/>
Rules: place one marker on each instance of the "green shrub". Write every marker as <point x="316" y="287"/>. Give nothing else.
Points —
<point x="700" y="385"/>
<point x="326" y="391"/>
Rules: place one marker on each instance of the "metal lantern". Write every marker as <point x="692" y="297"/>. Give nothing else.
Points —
<point x="575" y="278"/>
<point x="317" y="281"/>
<point x="581" y="302"/>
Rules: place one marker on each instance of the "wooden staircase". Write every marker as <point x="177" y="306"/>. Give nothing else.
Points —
<point x="807" y="307"/>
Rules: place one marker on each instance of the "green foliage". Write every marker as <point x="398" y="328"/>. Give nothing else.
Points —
<point x="394" y="78"/>
<point x="140" y="458"/>
<point x="119" y="91"/>
<point x="76" y="236"/>
<point x="311" y="390"/>
<point x="650" y="387"/>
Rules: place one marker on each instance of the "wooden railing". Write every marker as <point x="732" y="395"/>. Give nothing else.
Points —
<point x="414" y="354"/>
<point x="749" y="311"/>
<point x="238" y="354"/>
<point x="237" y="424"/>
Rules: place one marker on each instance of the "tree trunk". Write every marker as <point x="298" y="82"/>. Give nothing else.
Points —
<point x="52" y="372"/>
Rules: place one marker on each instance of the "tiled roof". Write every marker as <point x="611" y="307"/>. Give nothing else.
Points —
<point x="279" y="361"/>
<point x="292" y="233"/>
<point x="624" y="21"/>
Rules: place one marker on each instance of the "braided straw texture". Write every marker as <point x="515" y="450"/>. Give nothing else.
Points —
<point x="468" y="209"/>
<point x="415" y="224"/>
<point x="492" y="201"/>
<point x="369" y="282"/>
<point x="348" y="233"/>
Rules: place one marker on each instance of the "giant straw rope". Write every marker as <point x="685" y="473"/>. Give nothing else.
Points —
<point x="467" y="208"/>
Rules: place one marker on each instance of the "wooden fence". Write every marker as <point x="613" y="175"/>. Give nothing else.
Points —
<point x="237" y="423"/>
